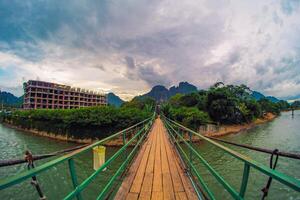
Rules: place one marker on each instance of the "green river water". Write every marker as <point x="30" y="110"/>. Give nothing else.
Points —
<point x="282" y="133"/>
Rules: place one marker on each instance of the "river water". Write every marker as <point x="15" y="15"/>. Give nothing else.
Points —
<point x="282" y="133"/>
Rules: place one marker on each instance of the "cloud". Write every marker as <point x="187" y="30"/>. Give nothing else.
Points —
<point x="101" y="67"/>
<point x="289" y="6"/>
<point x="151" y="76"/>
<point x="129" y="46"/>
<point x="130" y="62"/>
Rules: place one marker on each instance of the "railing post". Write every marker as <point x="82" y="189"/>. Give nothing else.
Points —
<point x="124" y="137"/>
<point x="244" y="180"/>
<point x="124" y="142"/>
<point x="190" y="152"/>
<point x="74" y="177"/>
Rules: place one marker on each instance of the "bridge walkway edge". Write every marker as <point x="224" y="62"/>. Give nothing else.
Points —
<point x="156" y="172"/>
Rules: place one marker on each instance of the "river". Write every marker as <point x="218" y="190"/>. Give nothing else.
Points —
<point x="282" y="133"/>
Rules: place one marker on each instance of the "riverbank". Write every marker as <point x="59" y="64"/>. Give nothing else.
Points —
<point x="233" y="129"/>
<point x="112" y="143"/>
<point x="49" y="135"/>
<point x="219" y="132"/>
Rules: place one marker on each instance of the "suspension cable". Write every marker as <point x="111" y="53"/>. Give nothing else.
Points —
<point x="34" y="181"/>
<point x="264" y="150"/>
<point x="10" y="162"/>
<point x="265" y="190"/>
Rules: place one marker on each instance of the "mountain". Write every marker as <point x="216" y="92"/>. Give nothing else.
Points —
<point x="257" y="95"/>
<point x="183" y="88"/>
<point x="273" y="99"/>
<point x="161" y="93"/>
<point x="9" y="99"/>
<point x="113" y="99"/>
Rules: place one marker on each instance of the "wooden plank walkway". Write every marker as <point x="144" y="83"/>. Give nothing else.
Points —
<point x="156" y="173"/>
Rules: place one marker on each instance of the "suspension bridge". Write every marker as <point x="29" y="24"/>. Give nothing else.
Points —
<point x="159" y="161"/>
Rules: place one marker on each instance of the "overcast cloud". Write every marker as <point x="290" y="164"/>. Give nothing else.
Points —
<point x="128" y="46"/>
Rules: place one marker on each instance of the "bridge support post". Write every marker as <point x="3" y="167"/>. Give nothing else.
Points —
<point x="190" y="153"/>
<point x="74" y="177"/>
<point x="124" y="142"/>
<point x="124" y="137"/>
<point x="245" y="180"/>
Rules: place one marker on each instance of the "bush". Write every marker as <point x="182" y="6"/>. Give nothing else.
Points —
<point x="269" y="106"/>
<point x="190" y="117"/>
<point x="90" y="122"/>
<point x="226" y="104"/>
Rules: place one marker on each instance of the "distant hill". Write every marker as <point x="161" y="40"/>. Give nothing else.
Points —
<point x="161" y="93"/>
<point x="257" y="95"/>
<point x="183" y="88"/>
<point x="9" y="99"/>
<point x="113" y="99"/>
<point x="273" y="99"/>
<point x="294" y="98"/>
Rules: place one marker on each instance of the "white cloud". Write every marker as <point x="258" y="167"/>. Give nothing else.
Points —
<point x="129" y="46"/>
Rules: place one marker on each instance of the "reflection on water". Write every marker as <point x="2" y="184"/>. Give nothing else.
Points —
<point x="283" y="133"/>
<point x="56" y="183"/>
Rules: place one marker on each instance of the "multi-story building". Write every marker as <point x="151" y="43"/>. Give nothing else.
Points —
<point x="40" y="94"/>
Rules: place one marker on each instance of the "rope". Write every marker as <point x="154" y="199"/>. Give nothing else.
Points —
<point x="265" y="190"/>
<point x="10" y="162"/>
<point x="34" y="181"/>
<point x="264" y="150"/>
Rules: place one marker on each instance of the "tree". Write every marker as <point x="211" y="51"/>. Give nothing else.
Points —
<point x="269" y="106"/>
<point x="189" y="100"/>
<point x="229" y="104"/>
<point x="89" y="122"/>
<point x="223" y="106"/>
<point x="218" y="84"/>
<point x="295" y="104"/>
<point x="283" y="105"/>
<point x="190" y="117"/>
<point x="175" y="100"/>
<point x="202" y="100"/>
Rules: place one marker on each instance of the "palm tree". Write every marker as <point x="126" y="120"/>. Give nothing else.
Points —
<point x="217" y="84"/>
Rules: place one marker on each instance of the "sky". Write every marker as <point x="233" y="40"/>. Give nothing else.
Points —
<point x="128" y="46"/>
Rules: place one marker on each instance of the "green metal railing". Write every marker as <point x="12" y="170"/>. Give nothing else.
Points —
<point x="175" y="131"/>
<point x="142" y="130"/>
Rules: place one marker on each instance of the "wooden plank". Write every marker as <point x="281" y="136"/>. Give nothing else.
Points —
<point x="188" y="188"/>
<point x="177" y="183"/>
<point x="181" y="196"/>
<point x="157" y="181"/>
<point x="146" y="195"/>
<point x="132" y="196"/>
<point x="157" y="195"/>
<point x="127" y="182"/>
<point x="138" y="180"/>
<point x="148" y="178"/>
<point x="167" y="180"/>
<point x="150" y="164"/>
<point x="156" y="173"/>
<point x="167" y="186"/>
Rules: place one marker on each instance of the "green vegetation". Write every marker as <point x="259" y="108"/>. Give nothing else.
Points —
<point x="9" y="101"/>
<point x="225" y="104"/>
<point x="90" y="122"/>
<point x="296" y="105"/>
